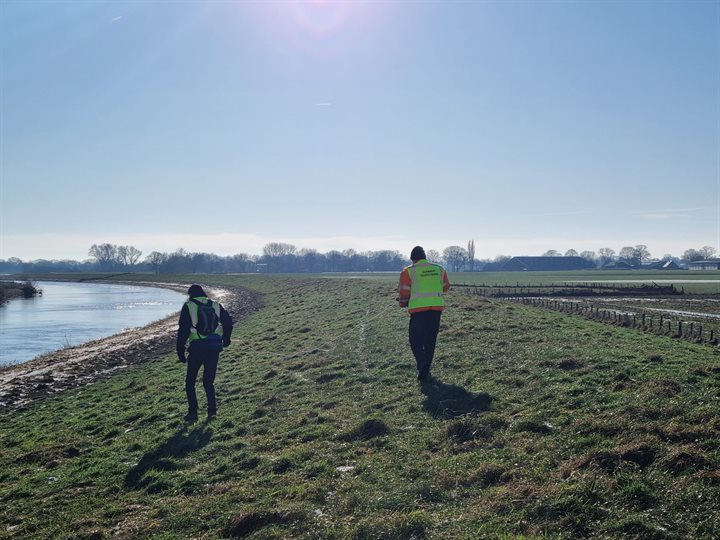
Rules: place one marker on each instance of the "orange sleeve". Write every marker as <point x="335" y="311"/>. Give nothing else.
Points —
<point x="446" y="282"/>
<point x="403" y="288"/>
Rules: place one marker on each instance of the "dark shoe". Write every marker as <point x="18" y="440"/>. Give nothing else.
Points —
<point x="190" y="418"/>
<point x="211" y="416"/>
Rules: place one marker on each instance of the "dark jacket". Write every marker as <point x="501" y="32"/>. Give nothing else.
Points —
<point x="185" y="325"/>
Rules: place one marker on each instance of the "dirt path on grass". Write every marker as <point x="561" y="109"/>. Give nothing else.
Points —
<point x="48" y="374"/>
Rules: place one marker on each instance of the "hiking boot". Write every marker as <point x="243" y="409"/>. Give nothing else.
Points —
<point x="190" y="418"/>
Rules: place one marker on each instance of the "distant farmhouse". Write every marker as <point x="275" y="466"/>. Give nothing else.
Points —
<point x="654" y="265"/>
<point x="710" y="264"/>
<point x="538" y="264"/>
<point x="660" y="265"/>
<point x="617" y="265"/>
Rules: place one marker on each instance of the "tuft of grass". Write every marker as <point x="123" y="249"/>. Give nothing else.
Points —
<point x="368" y="429"/>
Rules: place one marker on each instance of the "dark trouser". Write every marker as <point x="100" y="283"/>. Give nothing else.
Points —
<point x="198" y="355"/>
<point x="424" y="327"/>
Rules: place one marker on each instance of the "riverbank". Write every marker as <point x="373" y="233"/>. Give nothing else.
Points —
<point x="10" y="290"/>
<point x="48" y="374"/>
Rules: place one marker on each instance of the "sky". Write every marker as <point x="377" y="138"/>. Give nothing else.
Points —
<point x="220" y="126"/>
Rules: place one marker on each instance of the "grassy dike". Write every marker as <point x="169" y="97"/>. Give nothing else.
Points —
<point x="538" y="424"/>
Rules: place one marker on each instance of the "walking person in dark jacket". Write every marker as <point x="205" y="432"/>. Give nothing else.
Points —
<point x="207" y="327"/>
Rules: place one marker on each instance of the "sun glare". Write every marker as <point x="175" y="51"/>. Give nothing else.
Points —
<point x="321" y="17"/>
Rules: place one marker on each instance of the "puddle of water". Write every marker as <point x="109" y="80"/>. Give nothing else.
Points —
<point x="686" y="313"/>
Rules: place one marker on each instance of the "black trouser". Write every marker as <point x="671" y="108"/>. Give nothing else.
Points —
<point x="424" y="327"/>
<point x="199" y="355"/>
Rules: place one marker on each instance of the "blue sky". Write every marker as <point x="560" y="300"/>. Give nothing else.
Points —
<point x="220" y="126"/>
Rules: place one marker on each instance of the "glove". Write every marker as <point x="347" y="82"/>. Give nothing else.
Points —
<point x="226" y="342"/>
<point x="181" y="357"/>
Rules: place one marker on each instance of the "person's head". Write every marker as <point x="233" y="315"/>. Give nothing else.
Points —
<point x="196" y="290"/>
<point x="417" y="253"/>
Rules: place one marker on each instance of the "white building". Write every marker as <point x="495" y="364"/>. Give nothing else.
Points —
<point x="710" y="264"/>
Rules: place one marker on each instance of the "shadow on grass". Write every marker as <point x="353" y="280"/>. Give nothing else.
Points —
<point x="179" y="445"/>
<point x="450" y="400"/>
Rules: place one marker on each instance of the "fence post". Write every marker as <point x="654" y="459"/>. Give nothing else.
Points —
<point x="680" y="328"/>
<point x="692" y="329"/>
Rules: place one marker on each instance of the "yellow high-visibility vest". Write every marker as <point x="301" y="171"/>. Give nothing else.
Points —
<point x="426" y="285"/>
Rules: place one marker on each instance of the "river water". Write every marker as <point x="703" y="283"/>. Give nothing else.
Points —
<point x="72" y="313"/>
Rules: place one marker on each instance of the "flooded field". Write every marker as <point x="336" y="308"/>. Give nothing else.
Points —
<point x="691" y="318"/>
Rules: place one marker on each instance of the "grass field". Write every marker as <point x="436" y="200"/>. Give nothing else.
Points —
<point x="538" y="424"/>
<point x="696" y="282"/>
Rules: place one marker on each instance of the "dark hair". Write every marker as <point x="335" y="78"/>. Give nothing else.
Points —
<point x="195" y="291"/>
<point x="417" y="253"/>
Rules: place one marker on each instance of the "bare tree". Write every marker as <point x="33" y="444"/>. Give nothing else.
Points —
<point x="588" y="255"/>
<point x="128" y="255"/>
<point x="606" y="255"/>
<point x="552" y="253"/>
<point x="433" y="255"/>
<point x="692" y="255"/>
<point x="455" y="257"/>
<point x="571" y="253"/>
<point x="707" y="252"/>
<point x="279" y="256"/>
<point x="636" y="254"/>
<point x="156" y="259"/>
<point x="122" y="255"/>
<point x="278" y="249"/>
<point x="641" y="253"/>
<point x="627" y="253"/>
<point x="133" y="255"/>
<point x="106" y="255"/>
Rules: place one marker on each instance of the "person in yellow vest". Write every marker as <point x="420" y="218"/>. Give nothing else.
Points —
<point x="421" y="290"/>
<point x="207" y="327"/>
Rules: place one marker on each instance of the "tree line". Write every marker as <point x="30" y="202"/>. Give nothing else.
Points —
<point x="286" y="258"/>
<point x="634" y="255"/>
